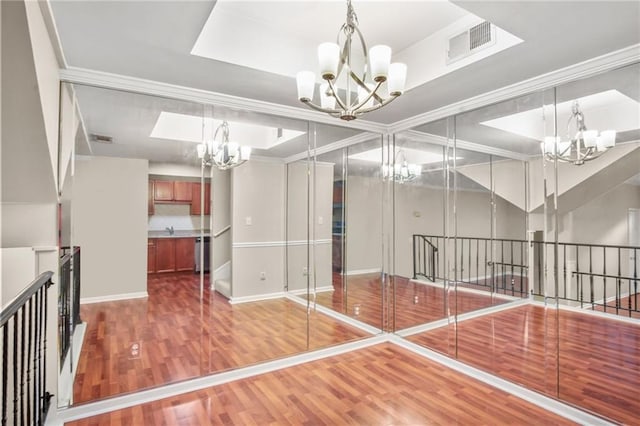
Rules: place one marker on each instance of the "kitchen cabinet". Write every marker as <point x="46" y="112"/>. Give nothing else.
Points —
<point x="196" y="208"/>
<point x="163" y="190"/>
<point x="150" y="200"/>
<point x="165" y="255"/>
<point x="151" y="256"/>
<point x="170" y="254"/>
<point x="184" y="247"/>
<point x="182" y="191"/>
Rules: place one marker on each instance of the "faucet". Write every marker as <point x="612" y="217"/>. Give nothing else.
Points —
<point x="170" y="229"/>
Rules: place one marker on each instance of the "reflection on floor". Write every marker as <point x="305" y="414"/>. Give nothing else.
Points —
<point x="170" y="336"/>
<point x="382" y="384"/>
<point x="599" y="358"/>
<point x="416" y="303"/>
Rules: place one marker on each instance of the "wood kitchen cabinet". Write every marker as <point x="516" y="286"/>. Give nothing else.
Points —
<point x="172" y="191"/>
<point x="182" y="191"/>
<point x="170" y="255"/>
<point x="151" y="256"/>
<point x="150" y="200"/>
<point x="163" y="190"/>
<point x="185" y="260"/>
<point x="165" y="255"/>
<point x="195" y="199"/>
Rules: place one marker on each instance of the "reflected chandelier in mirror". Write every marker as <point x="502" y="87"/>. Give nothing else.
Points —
<point x="586" y="145"/>
<point x="224" y="155"/>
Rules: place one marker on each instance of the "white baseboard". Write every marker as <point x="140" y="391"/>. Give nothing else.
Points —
<point x="113" y="297"/>
<point x="256" y="298"/>
<point x="362" y="272"/>
<point x="303" y="291"/>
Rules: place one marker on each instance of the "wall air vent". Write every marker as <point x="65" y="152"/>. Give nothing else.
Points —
<point x="472" y="40"/>
<point x="101" y="138"/>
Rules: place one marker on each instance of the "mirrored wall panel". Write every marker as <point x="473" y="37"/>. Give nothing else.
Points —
<point x="205" y="234"/>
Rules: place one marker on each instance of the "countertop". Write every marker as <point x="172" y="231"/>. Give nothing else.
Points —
<point x="178" y="234"/>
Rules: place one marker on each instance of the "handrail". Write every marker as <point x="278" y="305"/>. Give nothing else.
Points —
<point x="13" y="307"/>
<point x="222" y="231"/>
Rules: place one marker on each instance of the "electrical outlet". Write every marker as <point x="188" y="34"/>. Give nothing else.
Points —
<point x="305" y="271"/>
<point x="248" y="221"/>
<point x="320" y="220"/>
<point x="263" y="276"/>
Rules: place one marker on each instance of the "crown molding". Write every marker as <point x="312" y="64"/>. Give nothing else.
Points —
<point x="462" y="144"/>
<point x="343" y="143"/>
<point x="156" y="88"/>
<point x="587" y="68"/>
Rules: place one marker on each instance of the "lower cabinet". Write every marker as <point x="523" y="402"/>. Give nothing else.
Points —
<point x="170" y="255"/>
<point x="151" y="256"/>
<point x="165" y="255"/>
<point x="185" y="260"/>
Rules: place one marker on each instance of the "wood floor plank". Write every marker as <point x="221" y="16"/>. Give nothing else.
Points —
<point x="179" y="337"/>
<point x="408" y="389"/>
<point x="588" y="361"/>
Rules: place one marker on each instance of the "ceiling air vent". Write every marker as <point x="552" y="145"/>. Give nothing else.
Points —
<point x="101" y="138"/>
<point x="471" y="41"/>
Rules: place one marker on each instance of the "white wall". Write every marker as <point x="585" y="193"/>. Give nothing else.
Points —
<point x="303" y="228"/>
<point x="363" y="224"/>
<point x="109" y="211"/>
<point x="221" y="212"/>
<point x="172" y="169"/>
<point x="258" y="189"/>
<point x="419" y="210"/>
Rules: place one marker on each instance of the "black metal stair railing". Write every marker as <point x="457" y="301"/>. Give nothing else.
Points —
<point x="68" y="300"/>
<point x="491" y="264"/>
<point x="425" y="258"/>
<point x="23" y="324"/>
<point x="594" y="276"/>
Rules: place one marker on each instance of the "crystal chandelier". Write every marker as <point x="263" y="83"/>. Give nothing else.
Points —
<point x="585" y="145"/>
<point x="224" y="155"/>
<point x="336" y="60"/>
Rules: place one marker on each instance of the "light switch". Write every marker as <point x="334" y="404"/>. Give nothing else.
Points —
<point x="248" y="221"/>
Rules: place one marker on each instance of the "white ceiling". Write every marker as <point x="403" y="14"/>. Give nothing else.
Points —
<point x="153" y="40"/>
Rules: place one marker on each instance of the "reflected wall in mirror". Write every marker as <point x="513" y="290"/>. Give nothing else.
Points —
<point x="598" y="248"/>
<point x="143" y="208"/>
<point x="558" y="240"/>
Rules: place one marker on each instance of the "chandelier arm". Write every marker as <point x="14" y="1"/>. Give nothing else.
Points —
<point x="380" y="105"/>
<point x="319" y="108"/>
<point x="336" y="96"/>
<point x="369" y="96"/>
<point x="365" y="52"/>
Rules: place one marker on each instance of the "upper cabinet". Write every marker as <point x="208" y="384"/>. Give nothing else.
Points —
<point x="196" y="207"/>
<point x="163" y="190"/>
<point x="182" y="191"/>
<point x="150" y="203"/>
<point x="172" y="191"/>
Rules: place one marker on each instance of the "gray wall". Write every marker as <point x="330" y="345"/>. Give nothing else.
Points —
<point x="109" y="211"/>
<point x="221" y="216"/>
<point x="318" y="189"/>
<point x="258" y="190"/>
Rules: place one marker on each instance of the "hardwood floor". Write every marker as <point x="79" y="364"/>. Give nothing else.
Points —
<point x="170" y="336"/>
<point x="588" y="361"/>
<point x="414" y="303"/>
<point x="383" y="384"/>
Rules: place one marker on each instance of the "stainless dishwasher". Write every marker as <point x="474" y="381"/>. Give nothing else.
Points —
<point x="206" y="253"/>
